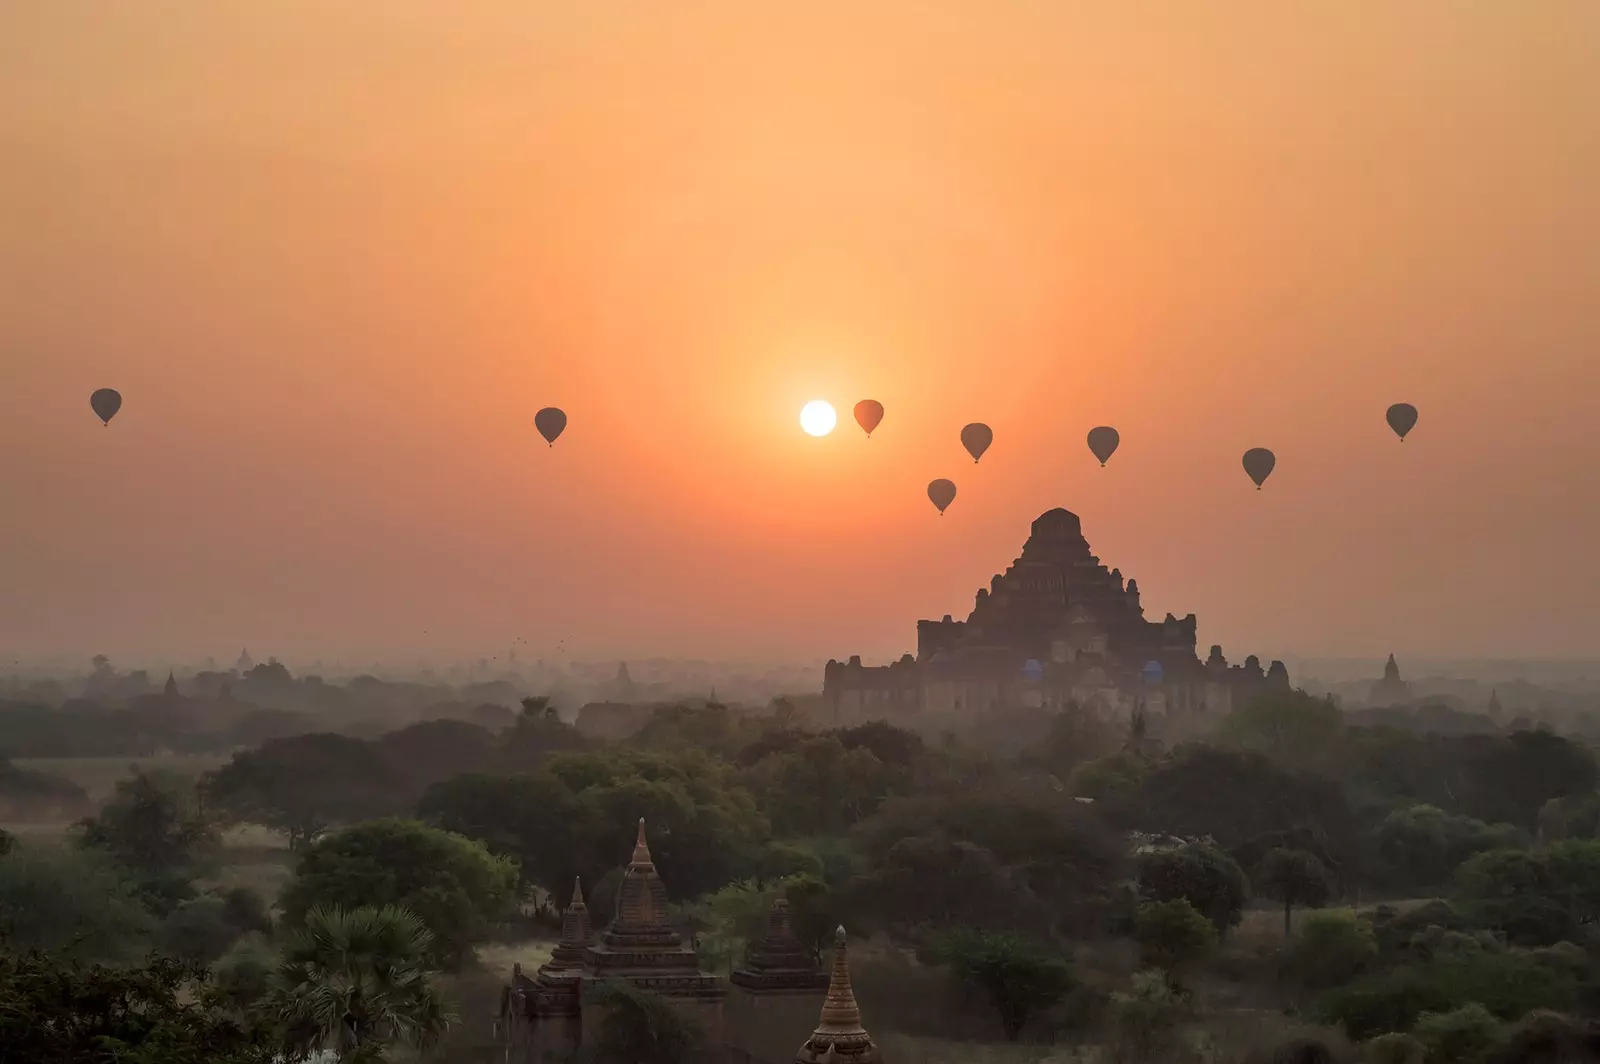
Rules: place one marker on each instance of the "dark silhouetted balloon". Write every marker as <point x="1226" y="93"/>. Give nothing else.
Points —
<point x="1258" y="462"/>
<point x="869" y="412"/>
<point x="1103" y="442"/>
<point x="942" y="493"/>
<point x="1402" y="418"/>
<point x="550" y="422"/>
<point x="976" y="438"/>
<point x="105" y="403"/>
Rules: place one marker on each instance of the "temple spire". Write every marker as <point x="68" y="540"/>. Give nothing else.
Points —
<point x="840" y="1037"/>
<point x="641" y="848"/>
<point x="577" y="891"/>
<point x="840" y="1013"/>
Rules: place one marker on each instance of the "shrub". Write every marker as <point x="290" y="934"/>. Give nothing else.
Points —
<point x="1204" y="876"/>
<point x="242" y="974"/>
<point x="197" y="931"/>
<point x="1461" y="1036"/>
<point x="1332" y="948"/>
<point x="1395" y="1048"/>
<point x="1508" y="985"/>
<point x="1172" y="934"/>
<point x="1146" y="1019"/>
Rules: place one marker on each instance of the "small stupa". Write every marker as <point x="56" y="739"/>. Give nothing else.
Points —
<point x="840" y="1038"/>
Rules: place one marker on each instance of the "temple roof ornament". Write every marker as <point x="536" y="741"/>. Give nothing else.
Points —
<point x="577" y="934"/>
<point x="840" y="1037"/>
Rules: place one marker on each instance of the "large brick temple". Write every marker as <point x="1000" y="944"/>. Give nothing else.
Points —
<point x="772" y="1000"/>
<point x="1056" y="627"/>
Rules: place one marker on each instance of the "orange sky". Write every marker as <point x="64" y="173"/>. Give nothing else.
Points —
<point x="335" y="255"/>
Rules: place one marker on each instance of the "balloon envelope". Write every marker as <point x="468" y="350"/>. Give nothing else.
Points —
<point x="550" y="422"/>
<point x="105" y="403"/>
<point x="1103" y="442"/>
<point x="1402" y="417"/>
<point x="869" y="412"/>
<point x="941" y="493"/>
<point x="1258" y="462"/>
<point x="976" y="438"/>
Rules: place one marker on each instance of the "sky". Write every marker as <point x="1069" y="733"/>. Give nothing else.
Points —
<point x="335" y="255"/>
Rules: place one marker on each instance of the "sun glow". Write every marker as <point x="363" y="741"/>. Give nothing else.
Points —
<point x="818" y="417"/>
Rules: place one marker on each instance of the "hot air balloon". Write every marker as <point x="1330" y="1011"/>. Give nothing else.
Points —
<point x="1402" y="417"/>
<point x="976" y="438"/>
<point x="550" y="422"/>
<point x="1258" y="462"/>
<point x="1103" y="442"/>
<point x="105" y="403"/>
<point x="869" y="412"/>
<point x="941" y="493"/>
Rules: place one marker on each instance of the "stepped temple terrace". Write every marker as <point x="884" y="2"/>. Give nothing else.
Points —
<point x="1057" y="627"/>
<point x="758" y="1014"/>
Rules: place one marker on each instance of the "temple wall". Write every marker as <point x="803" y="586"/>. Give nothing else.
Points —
<point x="554" y="1037"/>
<point x="766" y="1025"/>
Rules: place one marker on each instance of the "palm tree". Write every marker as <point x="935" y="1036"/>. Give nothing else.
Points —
<point x="352" y="982"/>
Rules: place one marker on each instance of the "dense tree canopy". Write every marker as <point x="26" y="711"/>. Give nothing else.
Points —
<point x="452" y="883"/>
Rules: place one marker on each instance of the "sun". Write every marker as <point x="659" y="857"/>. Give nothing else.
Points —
<point x="818" y="417"/>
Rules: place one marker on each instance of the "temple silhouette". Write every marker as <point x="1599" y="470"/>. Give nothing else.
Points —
<point x="1056" y="628"/>
<point x="759" y="1017"/>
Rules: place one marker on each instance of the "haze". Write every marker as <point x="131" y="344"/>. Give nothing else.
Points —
<point x="335" y="257"/>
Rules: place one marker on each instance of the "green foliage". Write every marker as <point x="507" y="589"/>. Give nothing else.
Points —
<point x="1507" y="984"/>
<point x="819" y="786"/>
<point x="1204" y="876"/>
<point x="1146" y="1019"/>
<point x="1023" y="847"/>
<point x="1465" y="1035"/>
<point x="528" y="818"/>
<point x="154" y="827"/>
<point x="936" y="882"/>
<point x="1547" y="1037"/>
<point x="1534" y="897"/>
<point x="52" y="1012"/>
<point x="1396" y="1047"/>
<point x="453" y="884"/>
<point x="70" y="902"/>
<point x="1173" y="935"/>
<point x="640" y="1028"/>
<point x="1238" y="797"/>
<point x="1333" y="948"/>
<point x="1109" y="778"/>
<point x="1421" y="846"/>
<point x="1296" y="731"/>
<point x="704" y="827"/>
<point x="354" y="980"/>
<point x="305" y="784"/>
<point x="1292" y="877"/>
<point x="243" y="974"/>
<point x="197" y="931"/>
<point x="1018" y="979"/>
<point x="39" y="796"/>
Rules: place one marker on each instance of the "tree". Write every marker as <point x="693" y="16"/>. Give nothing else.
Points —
<point x="164" y="1012"/>
<point x="1204" y="876"/>
<point x="640" y="1028"/>
<point x="938" y="882"/>
<point x="528" y="818"/>
<point x="355" y="981"/>
<point x="1292" y="877"/>
<point x="305" y="784"/>
<point x="154" y="827"/>
<point x="452" y="883"/>
<point x="1019" y="979"/>
<point x="1296" y="731"/>
<point x="819" y="787"/>
<point x="1235" y="797"/>
<point x="72" y="903"/>
<point x="1333" y="948"/>
<point x="1420" y="846"/>
<point x="39" y="796"/>
<point x="1173" y="934"/>
<point x="434" y="750"/>
<point x="704" y="827"/>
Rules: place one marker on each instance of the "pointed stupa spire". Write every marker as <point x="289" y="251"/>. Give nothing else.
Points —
<point x="576" y="933"/>
<point x="641" y="848"/>
<point x="840" y="1036"/>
